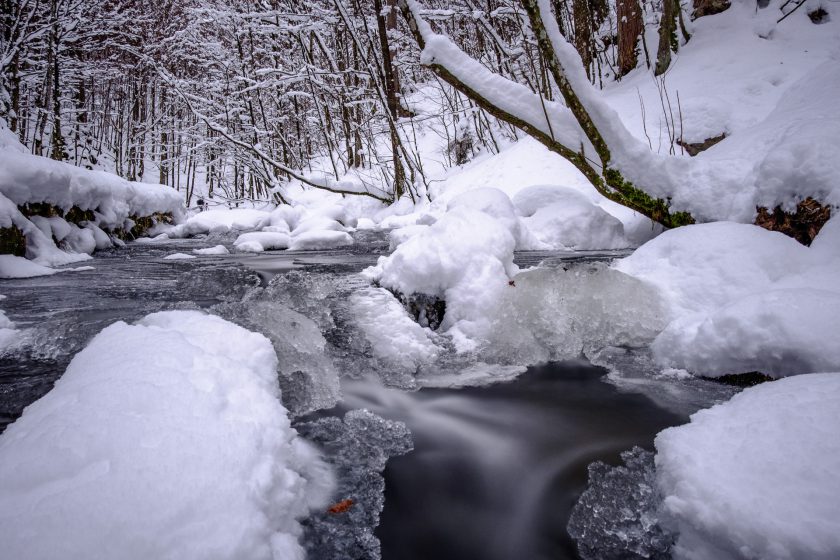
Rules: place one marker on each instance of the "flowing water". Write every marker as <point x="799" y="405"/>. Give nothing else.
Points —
<point x="494" y="470"/>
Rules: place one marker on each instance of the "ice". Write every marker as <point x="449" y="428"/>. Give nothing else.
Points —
<point x="570" y="311"/>
<point x="617" y="515"/>
<point x="756" y="477"/>
<point x="357" y="448"/>
<point x="166" y="439"/>
<point x="308" y="379"/>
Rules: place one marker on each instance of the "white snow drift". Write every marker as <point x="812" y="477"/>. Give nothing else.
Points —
<point x="757" y="477"/>
<point x="166" y="439"/>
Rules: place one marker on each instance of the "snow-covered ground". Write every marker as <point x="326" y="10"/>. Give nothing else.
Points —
<point x="163" y="439"/>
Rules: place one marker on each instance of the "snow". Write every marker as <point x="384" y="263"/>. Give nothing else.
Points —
<point x="259" y="241"/>
<point x="221" y="221"/>
<point x="19" y="267"/>
<point x="8" y="332"/>
<point x="215" y="250"/>
<point x="393" y="336"/>
<point x="319" y="239"/>
<point x="166" y="439"/>
<point x="756" y="477"/>
<point x="465" y="258"/>
<point x="178" y="257"/>
<point x="743" y="299"/>
<point x="564" y="218"/>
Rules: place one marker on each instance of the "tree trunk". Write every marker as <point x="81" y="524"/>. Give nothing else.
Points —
<point x="583" y="33"/>
<point x="630" y="29"/>
<point x="668" y="41"/>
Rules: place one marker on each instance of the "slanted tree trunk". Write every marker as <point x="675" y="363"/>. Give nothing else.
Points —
<point x="630" y="29"/>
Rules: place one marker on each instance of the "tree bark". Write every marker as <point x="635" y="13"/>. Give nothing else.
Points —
<point x="630" y="29"/>
<point x="668" y="41"/>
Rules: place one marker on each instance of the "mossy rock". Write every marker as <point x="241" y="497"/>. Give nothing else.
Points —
<point x="12" y="241"/>
<point x="43" y="209"/>
<point x="803" y="225"/>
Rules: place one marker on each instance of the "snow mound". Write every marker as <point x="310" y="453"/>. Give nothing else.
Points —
<point x="8" y="331"/>
<point x="564" y="218"/>
<point x="757" y="477"/>
<point x="744" y="299"/>
<point x="215" y="250"/>
<point x="18" y="267"/>
<point x="465" y="258"/>
<point x="259" y="241"/>
<point x="178" y="257"/>
<point x="319" y="239"/>
<point x="221" y="221"/>
<point x="163" y="439"/>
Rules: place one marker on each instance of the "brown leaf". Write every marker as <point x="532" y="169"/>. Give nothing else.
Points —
<point x="341" y="506"/>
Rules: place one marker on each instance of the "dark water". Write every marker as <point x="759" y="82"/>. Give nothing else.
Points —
<point x="496" y="470"/>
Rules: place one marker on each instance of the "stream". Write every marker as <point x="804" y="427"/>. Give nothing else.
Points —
<point x="494" y="471"/>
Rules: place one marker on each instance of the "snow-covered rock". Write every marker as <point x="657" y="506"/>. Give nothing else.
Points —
<point x="319" y="239"/>
<point x="259" y="241"/>
<point x="178" y="257"/>
<point x="465" y="258"/>
<point x="215" y="250"/>
<point x="757" y="477"/>
<point x="163" y="439"/>
<point x="221" y="221"/>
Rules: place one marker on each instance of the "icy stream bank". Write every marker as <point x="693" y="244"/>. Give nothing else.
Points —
<point x="308" y="306"/>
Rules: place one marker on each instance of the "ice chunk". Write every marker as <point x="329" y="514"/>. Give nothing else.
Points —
<point x="756" y="477"/>
<point x="617" y="515"/>
<point x="163" y="439"/>
<point x="357" y="448"/>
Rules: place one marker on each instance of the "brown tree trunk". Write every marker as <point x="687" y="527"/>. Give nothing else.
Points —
<point x="391" y="89"/>
<point x="583" y="33"/>
<point x="630" y="29"/>
<point x="668" y="41"/>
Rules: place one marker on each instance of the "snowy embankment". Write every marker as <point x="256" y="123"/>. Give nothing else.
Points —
<point x="58" y="213"/>
<point x="743" y="299"/>
<point x="757" y="477"/>
<point x="166" y="439"/>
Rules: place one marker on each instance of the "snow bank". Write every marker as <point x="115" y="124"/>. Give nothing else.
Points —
<point x="757" y="477"/>
<point x="742" y="299"/>
<point x="8" y="331"/>
<point x="18" y="267"/>
<point x="28" y="179"/>
<point x="163" y="439"/>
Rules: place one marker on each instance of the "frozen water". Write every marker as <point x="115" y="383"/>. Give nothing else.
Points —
<point x="308" y="379"/>
<point x="616" y="517"/>
<point x="357" y="447"/>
